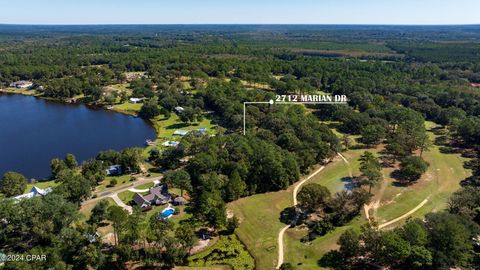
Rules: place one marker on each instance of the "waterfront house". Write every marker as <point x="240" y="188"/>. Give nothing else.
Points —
<point x="22" y="84"/>
<point x="179" y="109"/>
<point x="156" y="196"/>
<point x="181" y="132"/>
<point x="34" y="192"/>
<point x="135" y="100"/>
<point x="114" y="170"/>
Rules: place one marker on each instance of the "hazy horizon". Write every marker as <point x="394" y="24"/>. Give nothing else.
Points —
<point x="246" y="12"/>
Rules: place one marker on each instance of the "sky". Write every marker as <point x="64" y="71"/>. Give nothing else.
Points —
<point x="239" y="12"/>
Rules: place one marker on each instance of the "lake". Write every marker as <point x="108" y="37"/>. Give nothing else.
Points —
<point x="34" y="131"/>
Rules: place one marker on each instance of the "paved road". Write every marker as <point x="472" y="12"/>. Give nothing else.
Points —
<point x="121" y="203"/>
<point x="282" y="232"/>
<point x="113" y="193"/>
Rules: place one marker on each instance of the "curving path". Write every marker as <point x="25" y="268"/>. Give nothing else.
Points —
<point x="409" y="213"/>
<point x="375" y="204"/>
<point x="282" y="232"/>
<point x="120" y="203"/>
<point x="113" y="192"/>
<point x="138" y="190"/>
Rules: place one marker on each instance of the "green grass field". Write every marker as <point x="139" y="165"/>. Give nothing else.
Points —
<point x="442" y="178"/>
<point x="129" y="108"/>
<point x="227" y="250"/>
<point x="86" y="210"/>
<point x="260" y="224"/>
<point x="42" y="185"/>
<point x="437" y="184"/>
<point x="306" y="255"/>
<point x="122" y="179"/>
<point x="166" y="127"/>
<point x="335" y="177"/>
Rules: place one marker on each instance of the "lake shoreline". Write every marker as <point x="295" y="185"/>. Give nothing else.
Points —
<point x="120" y="133"/>
<point x="34" y="93"/>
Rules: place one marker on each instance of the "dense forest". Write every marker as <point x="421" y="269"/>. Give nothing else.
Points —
<point x="395" y="77"/>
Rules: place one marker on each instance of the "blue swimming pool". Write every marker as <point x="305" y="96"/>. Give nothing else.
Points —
<point x="167" y="213"/>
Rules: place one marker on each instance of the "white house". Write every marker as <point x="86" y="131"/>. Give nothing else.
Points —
<point x="22" y="84"/>
<point x="179" y="109"/>
<point x="35" y="192"/>
<point x="135" y="100"/>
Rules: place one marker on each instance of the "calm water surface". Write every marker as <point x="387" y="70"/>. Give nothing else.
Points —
<point x="34" y="131"/>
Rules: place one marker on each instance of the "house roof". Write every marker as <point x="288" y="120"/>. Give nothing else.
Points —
<point x="140" y="200"/>
<point x="179" y="199"/>
<point x="35" y="191"/>
<point x="155" y="193"/>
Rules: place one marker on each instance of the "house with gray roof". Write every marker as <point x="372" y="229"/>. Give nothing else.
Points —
<point x="156" y="196"/>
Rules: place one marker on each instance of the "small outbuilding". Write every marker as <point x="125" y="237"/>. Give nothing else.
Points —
<point x="179" y="201"/>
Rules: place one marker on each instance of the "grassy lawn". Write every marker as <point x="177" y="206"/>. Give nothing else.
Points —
<point x="228" y="250"/>
<point x="122" y="179"/>
<point x="306" y="255"/>
<point x="335" y="177"/>
<point x="442" y="178"/>
<point x="166" y="127"/>
<point x="42" y="185"/>
<point x="260" y="224"/>
<point x="86" y="210"/>
<point x="127" y="107"/>
<point x="21" y="91"/>
<point x="145" y="186"/>
<point x="437" y="184"/>
<point x="121" y="87"/>
<point x="127" y="196"/>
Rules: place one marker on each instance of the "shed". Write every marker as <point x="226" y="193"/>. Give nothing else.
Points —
<point x="179" y="201"/>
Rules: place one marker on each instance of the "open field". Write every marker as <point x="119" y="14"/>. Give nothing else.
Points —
<point x="442" y="178"/>
<point x="227" y="250"/>
<point x="121" y="87"/>
<point x="86" y="211"/>
<point x="306" y="255"/>
<point x="335" y="177"/>
<point x="42" y="185"/>
<point x="166" y="127"/>
<point x="127" y="196"/>
<point x="122" y="179"/>
<point x="437" y="184"/>
<point x="20" y="91"/>
<point x="127" y="107"/>
<point x="260" y="224"/>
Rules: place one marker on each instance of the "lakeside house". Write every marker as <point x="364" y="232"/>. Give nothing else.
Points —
<point x="135" y="100"/>
<point x="22" y="84"/>
<point x="171" y="143"/>
<point x="179" y="109"/>
<point x="34" y="192"/>
<point x="156" y="196"/>
<point x="181" y="132"/>
<point x="114" y="170"/>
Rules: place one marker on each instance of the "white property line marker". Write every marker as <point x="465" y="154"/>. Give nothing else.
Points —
<point x="272" y="102"/>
